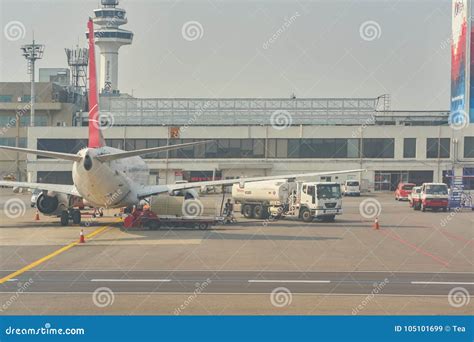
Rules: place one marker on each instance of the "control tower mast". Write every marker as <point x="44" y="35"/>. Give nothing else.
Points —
<point x="109" y="37"/>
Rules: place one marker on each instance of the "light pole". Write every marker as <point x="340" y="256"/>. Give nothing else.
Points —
<point x="32" y="52"/>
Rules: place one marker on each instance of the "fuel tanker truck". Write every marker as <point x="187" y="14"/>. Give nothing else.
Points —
<point x="286" y="198"/>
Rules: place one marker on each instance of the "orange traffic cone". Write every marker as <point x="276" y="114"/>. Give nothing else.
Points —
<point x="82" y="239"/>
<point x="376" y="225"/>
<point x="37" y="216"/>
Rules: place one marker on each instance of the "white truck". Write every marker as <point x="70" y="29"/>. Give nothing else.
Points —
<point x="434" y="196"/>
<point x="351" y="187"/>
<point x="281" y="198"/>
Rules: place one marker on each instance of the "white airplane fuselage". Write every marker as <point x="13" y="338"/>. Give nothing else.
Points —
<point x="109" y="184"/>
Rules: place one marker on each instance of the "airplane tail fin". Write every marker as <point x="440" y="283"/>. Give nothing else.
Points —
<point x="95" y="133"/>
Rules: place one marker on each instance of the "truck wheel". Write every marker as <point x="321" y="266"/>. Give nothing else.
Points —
<point x="258" y="212"/>
<point x="247" y="211"/>
<point x="153" y="225"/>
<point x="445" y="209"/>
<point x="64" y="218"/>
<point x="330" y="218"/>
<point x="202" y="226"/>
<point x="76" y="217"/>
<point x="306" y="215"/>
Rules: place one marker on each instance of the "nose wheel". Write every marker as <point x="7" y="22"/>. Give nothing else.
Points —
<point x="73" y="215"/>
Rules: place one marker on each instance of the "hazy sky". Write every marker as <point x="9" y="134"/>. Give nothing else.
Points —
<point x="321" y="51"/>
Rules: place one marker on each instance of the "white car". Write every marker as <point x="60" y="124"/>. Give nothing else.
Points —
<point x="351" y="188"/>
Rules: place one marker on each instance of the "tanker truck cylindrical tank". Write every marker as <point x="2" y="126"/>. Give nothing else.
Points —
<point x="264" y="191"/>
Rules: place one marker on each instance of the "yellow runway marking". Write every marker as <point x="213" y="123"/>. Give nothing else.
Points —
<point x="49" y="256"/>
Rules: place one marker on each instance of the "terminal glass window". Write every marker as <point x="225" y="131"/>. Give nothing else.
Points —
<point x="353" y="148"/>
<point x="271" y="148"/>
<point x="293" y="148"/>
<point x="409" y="148"/>
<point x="468" y="180"/>
<point x="468" y="147"/>
<point x="40" y="120"/>
<point x="61" y="145"/>
<point x="8" y="141"/>
<point x="438" y="147"/>
<point x="115" y="143"/>
<point x="6" y="98"/>
<point x="282" y="148"/>
<point x="258" y="148"/>
<point x="26" y="98"/>
<point x="378" y="147"/>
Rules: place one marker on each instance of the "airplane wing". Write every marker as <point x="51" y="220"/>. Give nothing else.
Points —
<point x="151" y="190"/>
<point x="61" y="188"/>
<point x="126" y="154"/>
<point x="56" y="155"/>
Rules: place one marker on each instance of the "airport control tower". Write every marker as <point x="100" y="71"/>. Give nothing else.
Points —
<point x="109" y="37"/>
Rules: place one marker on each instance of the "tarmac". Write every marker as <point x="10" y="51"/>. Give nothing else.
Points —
<point x="416" y="263"/>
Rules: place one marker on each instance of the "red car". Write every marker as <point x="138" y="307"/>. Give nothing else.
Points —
<point x="403" y="190"/>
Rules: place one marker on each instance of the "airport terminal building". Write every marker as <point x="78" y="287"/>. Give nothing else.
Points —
<point x="255" y="137"/>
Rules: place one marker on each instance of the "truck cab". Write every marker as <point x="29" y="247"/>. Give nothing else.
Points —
<point x="320" y="200"/>
<point x="434" y="196"/>
<point x="351" y="188"/>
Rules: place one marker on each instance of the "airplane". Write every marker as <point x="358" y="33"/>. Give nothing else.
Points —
<point x="106" y="177"/>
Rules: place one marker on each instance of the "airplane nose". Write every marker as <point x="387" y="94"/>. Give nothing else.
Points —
<point x="87" y="162"/>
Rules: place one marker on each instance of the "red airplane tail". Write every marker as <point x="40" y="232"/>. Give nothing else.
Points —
<point x="95" y="133"/>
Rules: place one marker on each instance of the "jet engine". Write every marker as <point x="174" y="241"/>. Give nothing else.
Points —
<point x="187" y="193"/>
<point x="52" y="204"/>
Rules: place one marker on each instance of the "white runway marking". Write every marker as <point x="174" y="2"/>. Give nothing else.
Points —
<point x="289" y="281"/>
<point x="440" y="283"/>
<point x="133" y="280"/>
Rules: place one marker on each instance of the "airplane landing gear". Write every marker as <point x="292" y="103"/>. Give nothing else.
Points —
<point x="64" y="218"/>
<point x="76" y="216"/>
<point x="73" y="215"/>
<point x="98" y="212"/>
